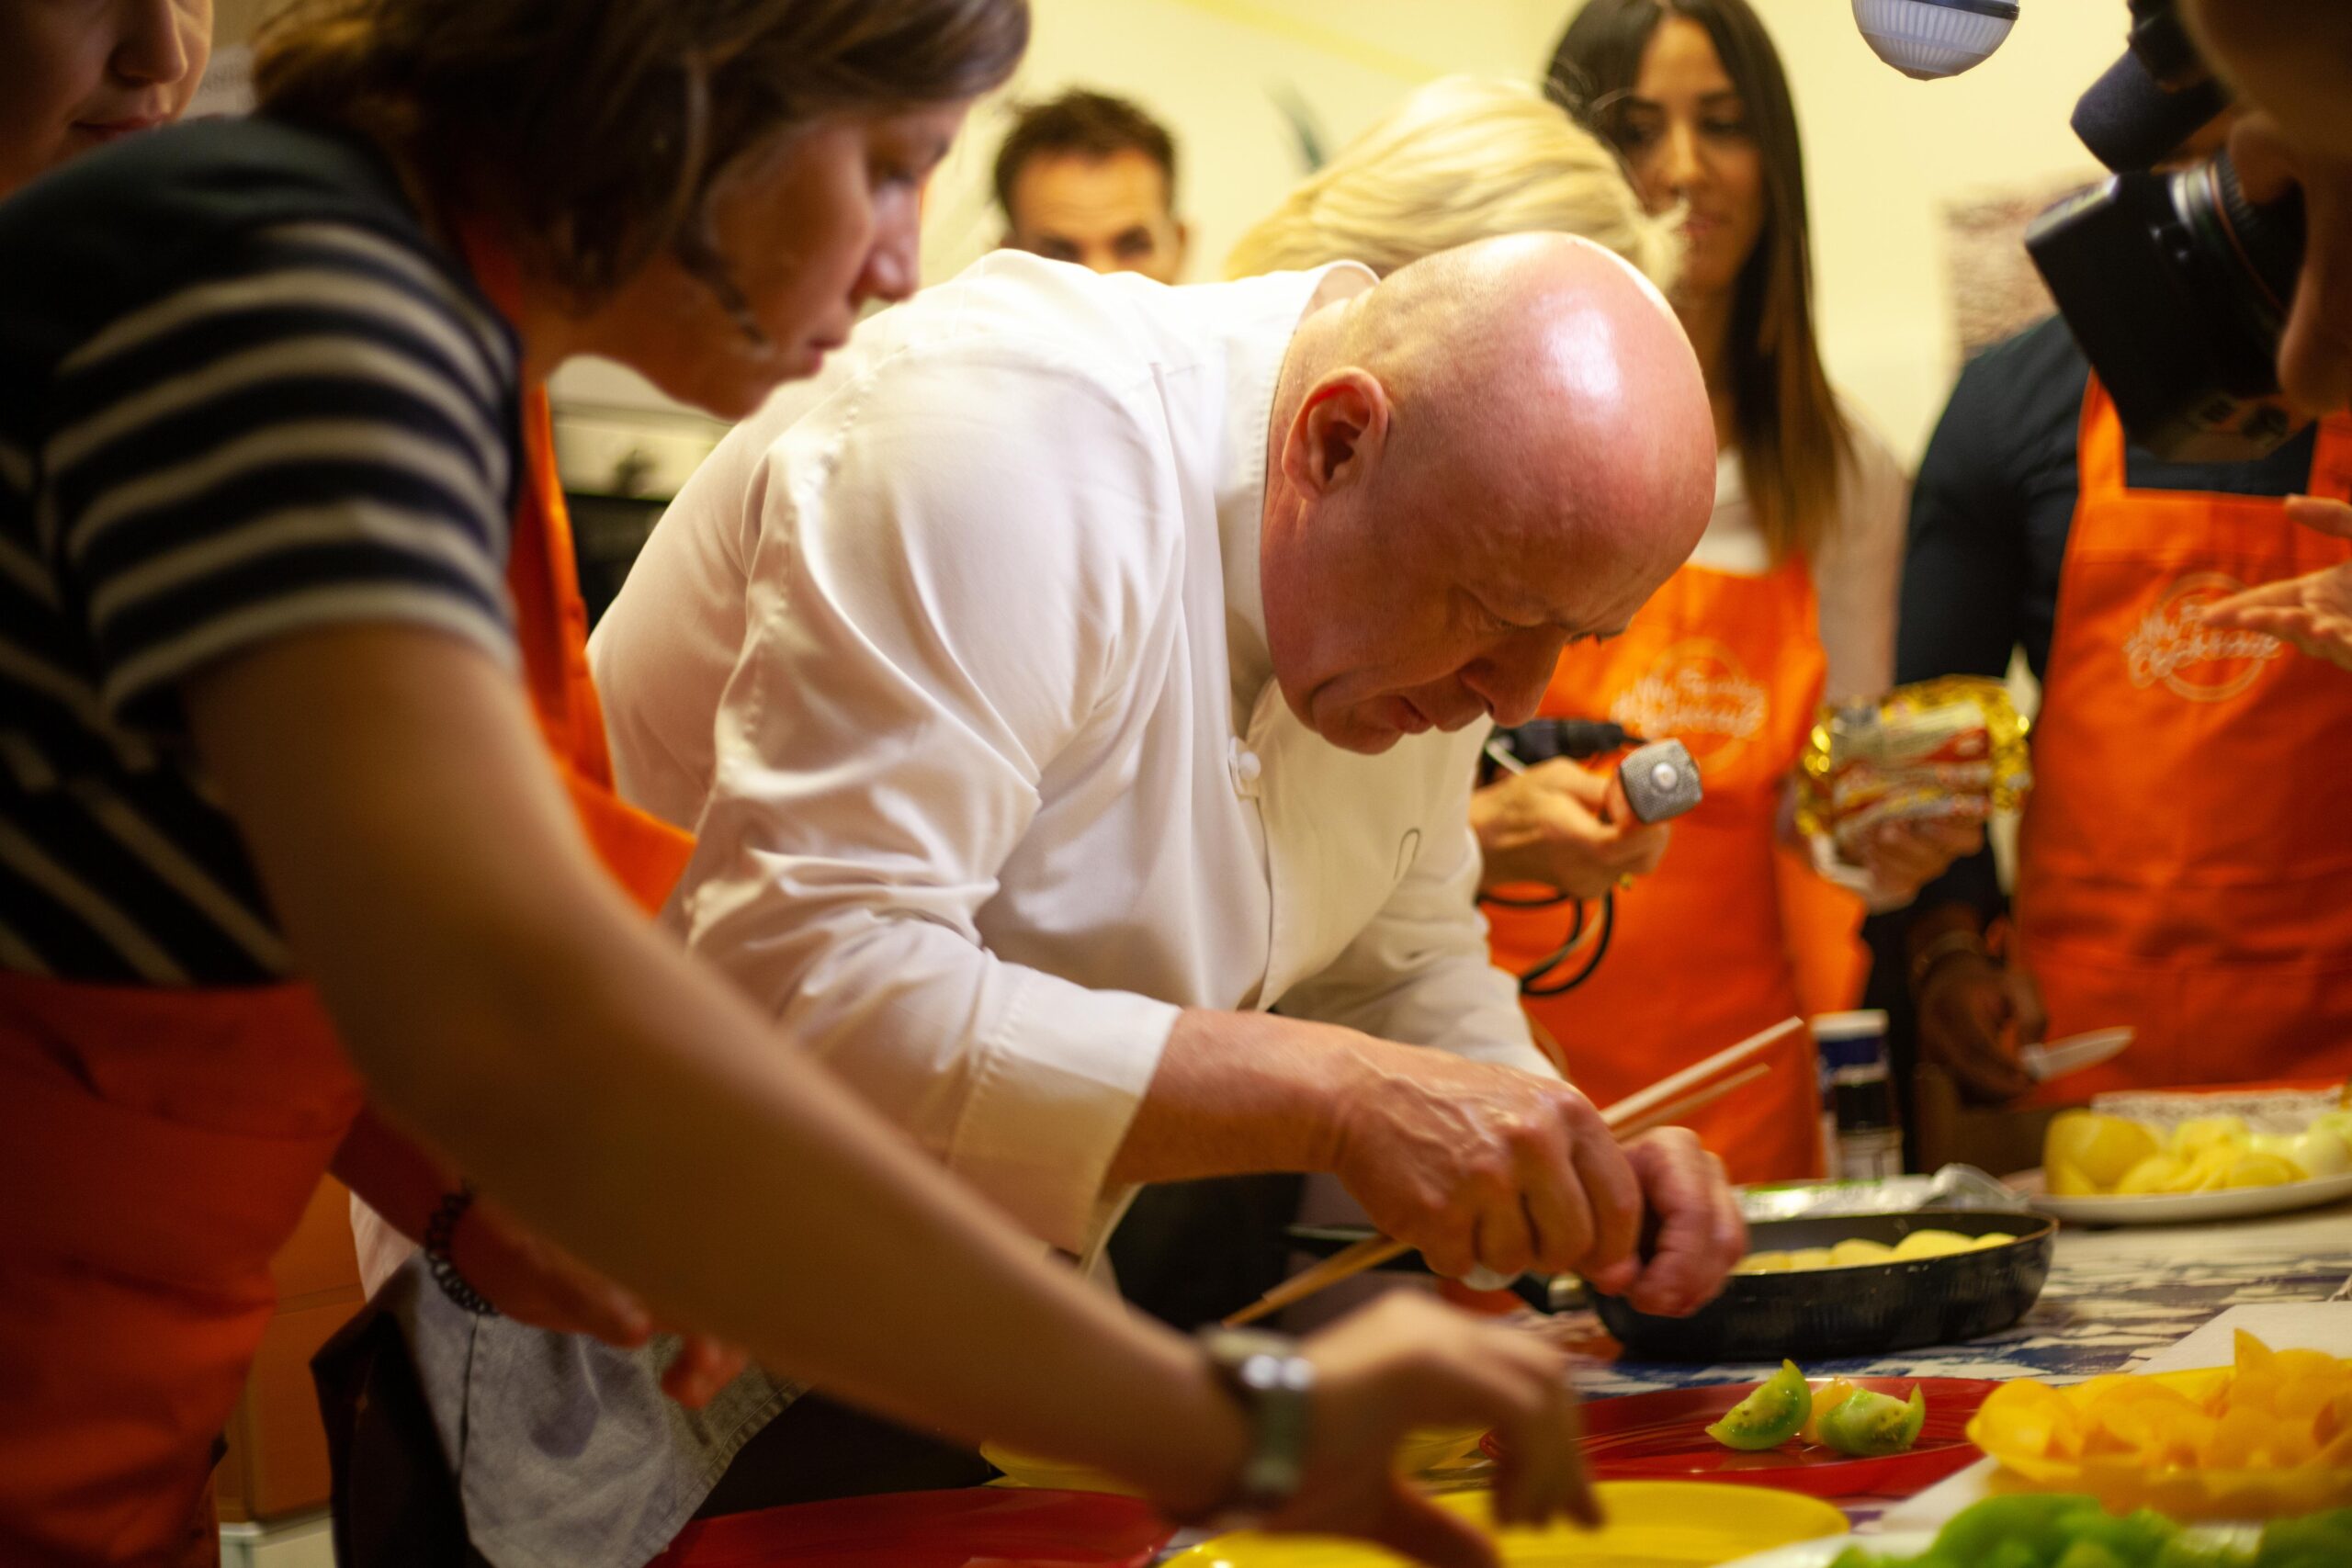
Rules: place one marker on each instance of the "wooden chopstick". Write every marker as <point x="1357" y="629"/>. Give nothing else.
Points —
<point x="1667" y="1087"/>
<point x="1665" y="1114"/>
<point x="1374" y="1250"/>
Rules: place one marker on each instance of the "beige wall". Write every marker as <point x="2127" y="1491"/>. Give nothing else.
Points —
<point x="1883" y="154"/>
<point x="1882" y="151"/>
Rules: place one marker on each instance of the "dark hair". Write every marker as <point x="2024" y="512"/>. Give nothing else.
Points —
<point x="1087" y="124"/>
<point x="1791" y="437"/>
<point x="599" y="128"/>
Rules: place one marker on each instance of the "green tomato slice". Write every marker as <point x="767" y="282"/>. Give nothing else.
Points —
<point x="1868" y="1425"/>
<point x="1771" y="1416"/>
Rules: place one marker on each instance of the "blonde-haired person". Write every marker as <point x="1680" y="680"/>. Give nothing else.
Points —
<point x="308" y="803"/>
<point x="1463" y="158"/>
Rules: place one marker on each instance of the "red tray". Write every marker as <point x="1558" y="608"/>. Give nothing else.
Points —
<point x="1662" y="1436"/>
<point x="969" y="1528"/>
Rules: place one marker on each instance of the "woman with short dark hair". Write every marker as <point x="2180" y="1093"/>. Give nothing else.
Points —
<point x="287" y="643"/>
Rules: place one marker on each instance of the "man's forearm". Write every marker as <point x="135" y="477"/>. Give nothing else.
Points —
<point x="1241" y="1092"/>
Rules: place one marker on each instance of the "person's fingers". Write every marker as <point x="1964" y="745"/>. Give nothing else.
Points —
<point x="2287" y="594"/>
<point x="1415" y="1528"/>
<point x="1686" y="1266"/>
<point x="1559" y="1224"/>
<point x="2315" y="351"/>
<point x="1580" y="784"/>
<point x="702" y="1367"/>
<point x="1612" y="1193"/>
<point x="2265" y="165"/>
<point x="1648" y="845"/>
<point x="2321" y="514"/>
<point x="1449" y="1243"/>
<point x="1501" y="1237"/>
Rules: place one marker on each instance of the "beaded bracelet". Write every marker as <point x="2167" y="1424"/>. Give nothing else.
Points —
<point x="438" y="1232"/>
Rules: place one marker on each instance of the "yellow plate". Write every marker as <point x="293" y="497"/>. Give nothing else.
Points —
<point x="1419" y="1452"/>
<point x="1652" y="1524"/>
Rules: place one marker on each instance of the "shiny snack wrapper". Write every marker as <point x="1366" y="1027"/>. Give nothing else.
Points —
<point x="1948" y="750"/>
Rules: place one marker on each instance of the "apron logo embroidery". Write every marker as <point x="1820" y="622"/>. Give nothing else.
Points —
<point x="1698" y="691"/>
<point x="2194" y="661"/>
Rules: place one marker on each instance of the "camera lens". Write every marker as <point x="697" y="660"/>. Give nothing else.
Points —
<point x="2179" y="288"/>
<point x="2254" y="250"/>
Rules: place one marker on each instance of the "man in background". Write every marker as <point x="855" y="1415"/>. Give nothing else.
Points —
<point x="1091" y="178"/>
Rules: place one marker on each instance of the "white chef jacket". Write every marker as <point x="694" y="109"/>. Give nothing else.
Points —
<point x="999" y="778"/>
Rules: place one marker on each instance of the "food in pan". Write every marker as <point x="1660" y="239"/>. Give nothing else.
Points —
<point x="1860" y="1252"/>
<point x="2060" y="1530"/>
<point x="1771" y="1416"/>
<point x="1837" y="1414"/>
<point x="2087" y="1154"/>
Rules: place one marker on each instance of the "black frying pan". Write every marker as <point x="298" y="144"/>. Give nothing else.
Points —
<point x="1824" y="1312"/>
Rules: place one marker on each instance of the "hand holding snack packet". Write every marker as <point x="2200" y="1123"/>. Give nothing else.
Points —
<point x="1932" y="756"/>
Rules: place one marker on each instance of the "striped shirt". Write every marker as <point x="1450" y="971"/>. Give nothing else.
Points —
<point x="243" y="396"/>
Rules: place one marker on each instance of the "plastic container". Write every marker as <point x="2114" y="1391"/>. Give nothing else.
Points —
<point x="1860" y="1139"/>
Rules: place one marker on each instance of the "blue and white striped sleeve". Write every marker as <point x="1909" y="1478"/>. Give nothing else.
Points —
<point x="318" y="434"/>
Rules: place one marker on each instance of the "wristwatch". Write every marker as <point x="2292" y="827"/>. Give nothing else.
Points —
<point x="1273" y="1383"/>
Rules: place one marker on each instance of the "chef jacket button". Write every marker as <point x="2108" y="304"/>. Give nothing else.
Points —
<point x="1246" y="768"/>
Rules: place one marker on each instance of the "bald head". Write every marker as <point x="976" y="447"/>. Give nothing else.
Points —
<point x="1515" y="438"/>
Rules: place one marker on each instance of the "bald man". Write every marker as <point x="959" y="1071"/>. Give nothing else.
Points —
<point x="1101" y="665"/>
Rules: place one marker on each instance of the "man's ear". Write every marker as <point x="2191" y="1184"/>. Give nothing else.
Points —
<point x="1184" y="245"/>
<point x="1339" y="434"/>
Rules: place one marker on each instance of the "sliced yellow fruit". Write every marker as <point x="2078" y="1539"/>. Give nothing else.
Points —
<point x="2102" y="1148"/>
<point x="2067" y="1180"/>
<point x="2157" y="1173"/>
<point x="2197" y="1134"/>
<point x="2251" y="1169"/>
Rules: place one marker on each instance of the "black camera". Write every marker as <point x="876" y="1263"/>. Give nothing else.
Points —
<point x="2176" y="287"/>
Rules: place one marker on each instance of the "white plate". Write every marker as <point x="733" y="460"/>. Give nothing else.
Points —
<point x="1911" y="1543"/>
<point x="2187" y="1208"/>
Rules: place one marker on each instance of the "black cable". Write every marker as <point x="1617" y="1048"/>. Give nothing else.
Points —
<point x="1533" y="982"/>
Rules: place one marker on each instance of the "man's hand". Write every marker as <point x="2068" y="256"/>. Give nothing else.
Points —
<point x="1406" y="1363"/>
<point x="2315" y="352"/>
<point x="1477" y="1165"/>
<point x="1964" y="1003"/>
<point x="533" y="1281"/>
<point x="2314" y="611"/>
<point x="1558" y="825"/>
<point x="1700" y="1233"/>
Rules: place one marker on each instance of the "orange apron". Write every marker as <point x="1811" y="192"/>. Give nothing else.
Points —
<point x="2184" y="858"/>
<point x="157" y="1147"/>
<point x="1701" y="952"/>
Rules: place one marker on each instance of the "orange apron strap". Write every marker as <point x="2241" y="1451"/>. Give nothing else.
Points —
<point x="2100" y="446"/>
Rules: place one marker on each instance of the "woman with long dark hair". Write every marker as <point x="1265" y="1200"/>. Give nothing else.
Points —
<point x="304" y="803"/>
<point x="1790" y="595"/>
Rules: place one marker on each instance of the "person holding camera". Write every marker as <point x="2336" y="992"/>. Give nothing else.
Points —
<point x="2293" y="64"/>
<point x="1790" y="595"/>
<point x="2176" y="854"/>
